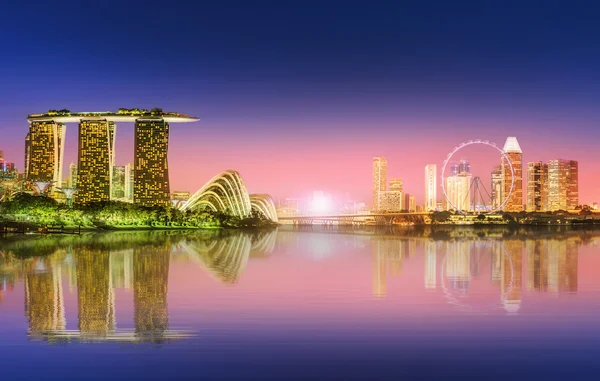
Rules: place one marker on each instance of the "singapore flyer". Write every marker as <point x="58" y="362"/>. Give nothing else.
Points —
<point x="464" y="191"/>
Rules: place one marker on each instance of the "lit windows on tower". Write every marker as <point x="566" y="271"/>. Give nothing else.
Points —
<point x="151" y="169"/>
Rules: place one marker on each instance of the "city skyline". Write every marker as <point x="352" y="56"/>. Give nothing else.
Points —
<point x="403" y="88"/>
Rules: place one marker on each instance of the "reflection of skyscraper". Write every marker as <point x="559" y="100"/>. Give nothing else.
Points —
<point x="121" y="269"/>
<point x="537" y="265"/>
<point x="562" y="266"/>
<point x="150" y="284"/>
<point x="512" y="270"/>
<point x="379" y="180"/>
<point x="94" y="291"/>
<point x="151" y="172"/>
<point x="430" y="264"/>
<point x="95" y="160"/>
<point x="513" y="151"/>
<point x="386" y="252"/>
<point x="458" y="265"/>
<point x="44" y="303"/>
<point x="430" y="187"/>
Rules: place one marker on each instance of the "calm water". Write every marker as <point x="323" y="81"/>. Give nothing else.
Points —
<point x="310" y="304"/>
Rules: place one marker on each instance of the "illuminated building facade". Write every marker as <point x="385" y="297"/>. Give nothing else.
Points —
<point x="396" y="185"/>
<point x="129" y="180"/>
<point x="117" y="191"/>
<point x="288" y="207"/>
<point x="458" y="191"/>
<point x="379" y="180"/>
<point x="151" y="176"/>
<point x="537" y="186"/>
<point x="430" y="187"/>
<point x="412" y="203"/>
<point x="44" y="151"/>
<point x="496" y="194"/>
<point x="72" y="181"/>
<point x="95" y="160"/>
<point x="390" y="201"/>
<point x="513" y="151"/>
<point x="563" y="184"/>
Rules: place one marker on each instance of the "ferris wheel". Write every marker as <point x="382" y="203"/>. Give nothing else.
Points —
<point x="477" y="193"/>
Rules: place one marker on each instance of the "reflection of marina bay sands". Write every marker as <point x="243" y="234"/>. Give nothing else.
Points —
<point x="45" y="147"/>
<point x="456" y="266"/>
<point x="96" y="274"/>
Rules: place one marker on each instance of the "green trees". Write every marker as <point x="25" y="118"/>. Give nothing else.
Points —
<point x="45" y="211"/>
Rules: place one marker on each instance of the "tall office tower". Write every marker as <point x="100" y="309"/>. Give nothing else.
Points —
<point x="390" y="201"/>
<point x="515" y="155"/>
<point x="1" y="155"/>
<point x="537" y="186"/>
<point x="72" y="182"/>
<point x="95" y="160"/>
<point x="27" y="155"/>
<point x="458" y="190"/>
<point x="129" y="180"/>
<point x="379" y="180"/>
<point x="563" y="187"/>
<point x="573" y="185"/>
<point x="496" y="187"/>
<point x="430" y="187"/>
<point x="288" y="207"/>
<point x="151" y="174"/>
<point x="412" y="204"/>
<point x="396" y="184"/>
<point x="117" y="191"/>
<point x="44" y="151"/>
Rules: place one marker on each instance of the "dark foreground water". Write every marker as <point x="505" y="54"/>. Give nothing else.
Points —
<point x="307" y="305"/>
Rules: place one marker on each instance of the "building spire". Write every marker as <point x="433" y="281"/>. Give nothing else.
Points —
<point x="512" y="145"/>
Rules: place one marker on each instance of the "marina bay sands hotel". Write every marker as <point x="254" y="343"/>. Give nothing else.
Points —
<point x="45" y="147"/>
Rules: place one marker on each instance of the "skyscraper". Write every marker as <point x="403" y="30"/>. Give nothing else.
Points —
<point x="379" y="180"/>
<point x="563" y="187"/>
<point x="396" y="184"/>
<point x="458" y="190"/>
<point x="573" y="185"/>
<point x="497" y="187"/>
<point x="390" y="201"/>
<point x="430" y="187"/>
<point x="151" y="174"/>
<point x="513" y="151"/>
<point x="95" y="160"/>
<point x="117" y="191"/>
<point x="44" y="151"/>
<point x="72" y="182"/>
<point x="129" y="180"/>
<point x="537" y="186"/>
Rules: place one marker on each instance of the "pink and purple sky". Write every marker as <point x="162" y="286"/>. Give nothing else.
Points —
<point x="299" y="99"/>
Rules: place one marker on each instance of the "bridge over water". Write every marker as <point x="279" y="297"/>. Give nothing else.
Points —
<point x="352" y="219"/>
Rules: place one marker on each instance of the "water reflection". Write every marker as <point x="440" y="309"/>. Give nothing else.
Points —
<point x="483" y="271"/>
<point x="96" y="265"/>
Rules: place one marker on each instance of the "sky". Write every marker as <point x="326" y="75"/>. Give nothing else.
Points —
<point x="300" y="96"/>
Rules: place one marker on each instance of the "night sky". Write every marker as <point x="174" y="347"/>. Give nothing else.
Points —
<point x="299" y="96"/>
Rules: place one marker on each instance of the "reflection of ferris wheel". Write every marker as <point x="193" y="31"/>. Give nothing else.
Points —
<point x="476" y="185"/>
<point x="460" y="301"/>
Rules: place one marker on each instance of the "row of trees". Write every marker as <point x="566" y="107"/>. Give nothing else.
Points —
<point x="45" y="211"/>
